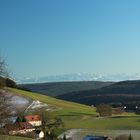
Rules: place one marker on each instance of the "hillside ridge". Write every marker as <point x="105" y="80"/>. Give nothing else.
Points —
<point x="120" y="92"/>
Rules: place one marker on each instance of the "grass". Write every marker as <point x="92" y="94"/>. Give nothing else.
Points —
<point x="75" y="115"/>
<point x="132" y="123"/>
<point x="65" y="108"/>
<point x="5" y="137"/>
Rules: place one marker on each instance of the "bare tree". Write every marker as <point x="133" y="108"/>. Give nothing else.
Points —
<point x="5" y="79"/>
<point x="104" y="110"/>
<point x="3" y="73"/>
<point x="5" y="108"/>
<point x="3" y="68"/>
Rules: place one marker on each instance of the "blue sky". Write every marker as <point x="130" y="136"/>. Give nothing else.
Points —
<point x="50" y="37"/>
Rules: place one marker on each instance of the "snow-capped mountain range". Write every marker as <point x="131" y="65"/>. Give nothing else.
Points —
<point x="80" y="77"/>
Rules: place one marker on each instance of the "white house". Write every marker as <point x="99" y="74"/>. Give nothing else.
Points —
<point x="40" y="134"/>
<point x="34" y="120"/>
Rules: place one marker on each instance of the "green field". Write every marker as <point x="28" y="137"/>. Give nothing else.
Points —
<point x="4" y="137"/>
<point x="81" y="116"/>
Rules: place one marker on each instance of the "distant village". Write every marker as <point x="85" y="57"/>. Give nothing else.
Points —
<point x="26" y="125"/>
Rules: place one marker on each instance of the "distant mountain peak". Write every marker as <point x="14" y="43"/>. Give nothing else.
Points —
<point x="80" y="77"/>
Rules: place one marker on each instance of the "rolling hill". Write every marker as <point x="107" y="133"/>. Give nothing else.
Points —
<point x="126" y="92"/>
<point x="58" y="88"/>
<point x="95" y="92"/>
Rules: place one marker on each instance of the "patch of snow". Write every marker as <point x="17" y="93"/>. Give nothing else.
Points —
<point x="36" y="104"/>
<point x="39" y="105"/>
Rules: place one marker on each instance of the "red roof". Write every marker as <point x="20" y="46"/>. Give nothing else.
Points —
<point x="32" y="118"/>
<point x="18" y="126"/>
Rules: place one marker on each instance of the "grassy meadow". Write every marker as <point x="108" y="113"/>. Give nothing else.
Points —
<point x="5" y="137"/>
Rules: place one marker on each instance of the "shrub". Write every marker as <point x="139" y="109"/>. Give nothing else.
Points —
<point x="104" y="110"/>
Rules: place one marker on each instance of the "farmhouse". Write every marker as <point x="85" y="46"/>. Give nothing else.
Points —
<point x="34" y="120"/>
<point x="19" y="128"/>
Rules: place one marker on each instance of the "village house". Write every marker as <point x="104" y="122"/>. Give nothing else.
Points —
<point x="25" y="126"/>
<point x="19" y="128"/>
<point x="40" y="134"/>
<point x="34" y="120"/>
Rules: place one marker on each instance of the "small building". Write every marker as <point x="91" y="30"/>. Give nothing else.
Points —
<point x="40" y="134"/>
<point x="97" y="138"/>
<point x="34" y="120"/>
<point x="19" y="128"/>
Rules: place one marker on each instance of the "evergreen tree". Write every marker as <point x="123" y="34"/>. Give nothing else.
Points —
<point x="19" y="119"/>
<point x="130" y="137"/>
<point x="64" y="137"/>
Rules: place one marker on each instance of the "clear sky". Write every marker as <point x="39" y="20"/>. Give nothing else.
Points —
<point x="50" y="37"/>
